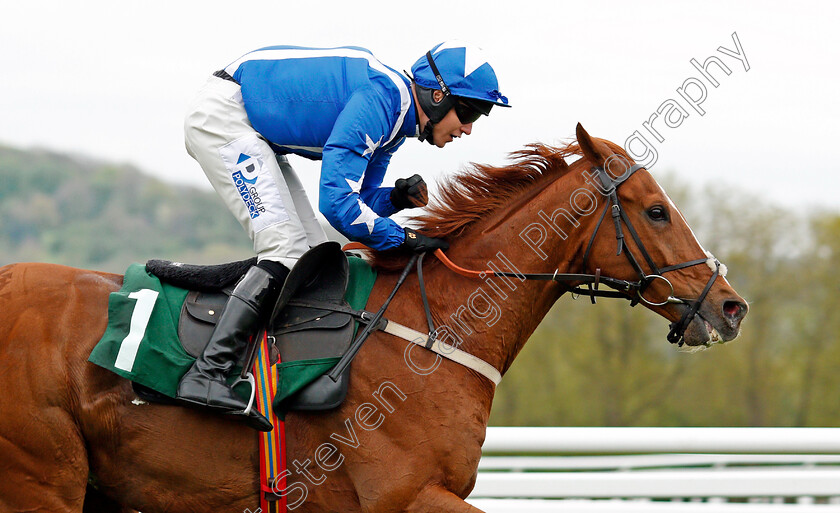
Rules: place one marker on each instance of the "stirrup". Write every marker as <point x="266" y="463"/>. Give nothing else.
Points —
<point x="249" y="378"/>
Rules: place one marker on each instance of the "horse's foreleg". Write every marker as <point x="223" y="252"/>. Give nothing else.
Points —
<point x="439" y="499"/>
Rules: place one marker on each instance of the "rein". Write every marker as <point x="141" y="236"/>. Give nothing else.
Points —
<point x="624" y="289"/>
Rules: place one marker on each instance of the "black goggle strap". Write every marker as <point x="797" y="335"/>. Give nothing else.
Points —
<point x="443" y="87"/>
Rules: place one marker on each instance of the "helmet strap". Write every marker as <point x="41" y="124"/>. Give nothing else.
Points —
<point x="435" y="110"/>
<point x="426" y="133"/>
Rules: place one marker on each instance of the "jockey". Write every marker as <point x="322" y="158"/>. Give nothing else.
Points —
<point x="343" y="107"/>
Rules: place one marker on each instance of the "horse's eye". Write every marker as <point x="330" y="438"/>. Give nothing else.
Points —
<point x="658" y="213"/>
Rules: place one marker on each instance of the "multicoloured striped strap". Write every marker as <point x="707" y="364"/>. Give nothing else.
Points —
<point x="272" y="443"/>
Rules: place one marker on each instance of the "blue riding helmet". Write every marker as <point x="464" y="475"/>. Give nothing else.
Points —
<point x="467" y="80"/>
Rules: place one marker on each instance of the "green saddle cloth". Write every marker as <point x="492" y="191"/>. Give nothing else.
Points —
<point x="141" y="341"/>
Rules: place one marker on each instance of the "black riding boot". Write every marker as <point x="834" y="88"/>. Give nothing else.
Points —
<point x="205" y="384"/>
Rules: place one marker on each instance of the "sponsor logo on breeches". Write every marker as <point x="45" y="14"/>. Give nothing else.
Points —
<point x="249" y="195"/>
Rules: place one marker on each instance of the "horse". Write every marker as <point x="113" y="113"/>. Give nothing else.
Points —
<point x="408" y="436"/>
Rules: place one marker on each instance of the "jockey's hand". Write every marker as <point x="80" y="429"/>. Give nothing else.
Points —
<point x="419" y="243"/>
<point x="410" y="193"/>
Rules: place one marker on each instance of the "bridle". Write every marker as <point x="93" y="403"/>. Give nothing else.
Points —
<point x="619" y="215"/>
<point x="624" y="289"/>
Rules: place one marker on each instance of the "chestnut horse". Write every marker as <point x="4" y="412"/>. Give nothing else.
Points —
<point x="408" y="437"/>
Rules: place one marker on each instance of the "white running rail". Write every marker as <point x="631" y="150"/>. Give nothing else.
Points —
<point x="667" y="470"/>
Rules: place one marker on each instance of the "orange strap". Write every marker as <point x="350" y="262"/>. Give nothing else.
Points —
<point x="350" y="246"/>
<point x="438" y="253"/>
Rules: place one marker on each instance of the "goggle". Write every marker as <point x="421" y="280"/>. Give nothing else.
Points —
<point x="469" y="110"/>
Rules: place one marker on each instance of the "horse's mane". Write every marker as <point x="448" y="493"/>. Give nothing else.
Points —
<point x="480" y="190"/>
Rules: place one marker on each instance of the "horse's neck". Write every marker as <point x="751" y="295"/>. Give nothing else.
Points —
<point x="493" y="317"/>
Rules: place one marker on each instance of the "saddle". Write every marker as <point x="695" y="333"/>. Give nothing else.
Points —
<point x="310" y="320"/>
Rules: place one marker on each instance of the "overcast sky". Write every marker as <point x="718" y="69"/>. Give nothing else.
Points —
<point x="112" y="79"/>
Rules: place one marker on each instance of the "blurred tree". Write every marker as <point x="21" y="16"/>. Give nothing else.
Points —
<point x="84" y="213"/>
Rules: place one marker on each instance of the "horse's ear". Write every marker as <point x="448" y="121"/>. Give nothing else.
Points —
<point x="589" y="147"/>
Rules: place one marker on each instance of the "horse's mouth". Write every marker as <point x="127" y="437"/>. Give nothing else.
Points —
<point x="702" y="334"/>
<point x="714" y="336"/>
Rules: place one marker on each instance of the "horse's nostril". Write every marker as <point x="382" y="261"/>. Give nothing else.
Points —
<point x="734" y="310"/>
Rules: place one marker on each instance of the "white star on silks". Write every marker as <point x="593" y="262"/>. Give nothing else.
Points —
<point x="371" y="146"/>
<point x="474" y="57"/>
<point x="357" y="185"/>
<point x="367" y="216"/>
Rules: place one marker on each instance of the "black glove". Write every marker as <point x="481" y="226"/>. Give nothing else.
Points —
<point x="410" y="193"/>
<point x="419" y="243"/>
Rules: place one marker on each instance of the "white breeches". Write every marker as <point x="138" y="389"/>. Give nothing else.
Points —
<point x="260" y="188"/>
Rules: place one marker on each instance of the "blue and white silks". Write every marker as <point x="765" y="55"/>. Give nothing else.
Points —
<point x="341" y="106"/>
